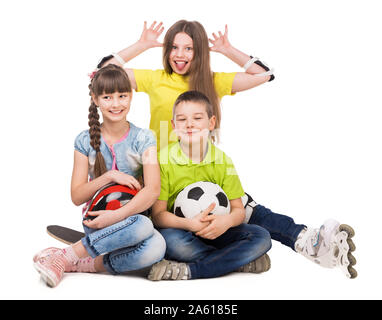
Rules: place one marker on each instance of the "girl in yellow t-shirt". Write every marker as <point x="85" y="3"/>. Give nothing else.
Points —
<point x="186" y="60"/>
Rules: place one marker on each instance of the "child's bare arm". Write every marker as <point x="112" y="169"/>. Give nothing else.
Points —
<point x="243" y="80"/>
<point x="83" y="190"/>
<point x="148" y="39"/>
<point x="147" y="196"/>
<point x="141" y="201"/>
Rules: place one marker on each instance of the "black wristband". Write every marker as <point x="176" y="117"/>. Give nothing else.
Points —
<point x="259" y="63"/>
<point x="103" y="60"/>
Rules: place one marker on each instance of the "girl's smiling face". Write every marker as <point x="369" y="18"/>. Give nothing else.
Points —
<point x="114" y="106"/>
<point x="181" y="54"/>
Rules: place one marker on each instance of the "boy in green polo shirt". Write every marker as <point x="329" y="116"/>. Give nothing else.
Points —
<point x="205" y="242"/>
<point x="208" y="245"/>
<point x="179" y="171"/>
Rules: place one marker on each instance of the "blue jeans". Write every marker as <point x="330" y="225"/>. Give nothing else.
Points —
<point x="130" y="244"/>
<point x="282" y="228"/>
<point x="212" y="258"/>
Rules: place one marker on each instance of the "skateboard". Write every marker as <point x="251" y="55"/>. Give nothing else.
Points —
<point x="63" y="234"/>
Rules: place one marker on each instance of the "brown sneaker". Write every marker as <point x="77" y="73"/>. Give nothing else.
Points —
<point x="169" y="270"/>
<point x="261" y="264"/>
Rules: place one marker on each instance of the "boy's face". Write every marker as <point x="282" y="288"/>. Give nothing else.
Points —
<point x="191" y="122"/>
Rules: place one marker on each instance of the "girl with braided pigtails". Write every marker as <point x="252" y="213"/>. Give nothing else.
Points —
<point x="186" y="61"/>
<point x="114" y="151"/>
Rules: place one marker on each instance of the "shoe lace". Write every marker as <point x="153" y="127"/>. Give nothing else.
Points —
<point x="310" y="241"/>
<point x="55" y="260"/>
<point x="58" y="265"/>
<point x="173" y="270"/>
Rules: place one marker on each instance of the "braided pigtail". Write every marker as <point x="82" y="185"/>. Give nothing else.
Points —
<point x="95" y="140"/>
<point x="106" y="80"/>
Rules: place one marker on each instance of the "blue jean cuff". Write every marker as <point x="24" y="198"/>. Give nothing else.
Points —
<point x="108" y="266"/>
<point x="89" y="248"/>
<point x="298" y="230"/>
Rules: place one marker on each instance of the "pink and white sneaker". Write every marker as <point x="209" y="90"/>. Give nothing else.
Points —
<point x="51" y="267"/>
<point x="44" y="253"/>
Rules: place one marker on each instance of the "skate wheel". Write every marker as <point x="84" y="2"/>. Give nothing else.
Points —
<point x="352" y="259"/>
<point x="348" y="229"/>
<point x="351" y="245"/>
<point x="353" y="272"/>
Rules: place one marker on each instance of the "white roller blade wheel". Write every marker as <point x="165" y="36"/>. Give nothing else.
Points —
<point x="341" y="248"/>
<point x="330" y="247"/>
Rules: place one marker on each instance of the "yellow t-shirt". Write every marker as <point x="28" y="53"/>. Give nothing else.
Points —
<point x="163" y="89"/>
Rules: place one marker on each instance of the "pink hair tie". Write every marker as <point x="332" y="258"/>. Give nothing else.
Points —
<point x="91" y="75"/>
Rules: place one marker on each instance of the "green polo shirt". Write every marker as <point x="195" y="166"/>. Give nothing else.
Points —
<point x="178" y="171"/>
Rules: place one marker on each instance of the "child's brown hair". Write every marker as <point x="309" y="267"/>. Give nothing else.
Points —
<point x="201" y="76"/>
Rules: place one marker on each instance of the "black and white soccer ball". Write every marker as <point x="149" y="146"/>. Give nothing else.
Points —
<point x="196" y="197"/>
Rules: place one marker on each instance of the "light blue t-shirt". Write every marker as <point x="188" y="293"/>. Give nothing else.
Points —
<point x="125" y="155"/>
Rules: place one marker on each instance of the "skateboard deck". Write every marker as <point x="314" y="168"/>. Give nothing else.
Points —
<point x="63" y="234"/>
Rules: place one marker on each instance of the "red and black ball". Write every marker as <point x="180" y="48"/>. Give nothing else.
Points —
<point x="111" y="197"/>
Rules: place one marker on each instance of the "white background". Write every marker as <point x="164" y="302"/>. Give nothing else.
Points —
<point x="306" y="145"/>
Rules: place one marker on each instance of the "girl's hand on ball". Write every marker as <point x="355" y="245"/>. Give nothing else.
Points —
<point x="104" y="218"/>
<point x="124" y="179"/>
